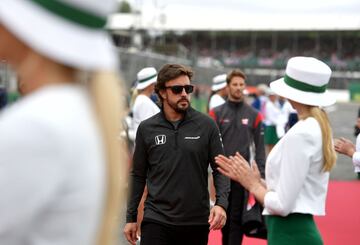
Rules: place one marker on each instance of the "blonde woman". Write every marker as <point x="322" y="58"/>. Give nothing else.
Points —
<point x="61" y="161"/>
<point x="297" y="169"/>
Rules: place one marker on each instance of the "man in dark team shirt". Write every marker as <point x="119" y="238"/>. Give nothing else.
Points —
<point x="241" y="127"/>
<point x="172" y="154"/>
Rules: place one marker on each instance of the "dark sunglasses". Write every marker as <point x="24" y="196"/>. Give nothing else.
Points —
<point x="177" y="89"/>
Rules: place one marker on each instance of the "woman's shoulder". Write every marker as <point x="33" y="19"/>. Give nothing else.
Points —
<point x="308" y="128"/>
<point x="56" y="110"/>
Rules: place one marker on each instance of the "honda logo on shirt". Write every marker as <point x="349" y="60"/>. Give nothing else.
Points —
<point x="160" y="139"/>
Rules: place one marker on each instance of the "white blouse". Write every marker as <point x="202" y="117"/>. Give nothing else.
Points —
<point x="356" y="156"/>
<point x="51" y="169"/>
<point x="294" y="175"/>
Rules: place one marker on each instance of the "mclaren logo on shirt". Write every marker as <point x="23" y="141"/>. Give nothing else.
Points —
<point x="192" y="137"/>
<point x="160" y="139"/>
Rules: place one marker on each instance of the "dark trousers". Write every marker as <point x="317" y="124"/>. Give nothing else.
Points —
<point x="232" y="233"/>
<point x="153" y="233"/>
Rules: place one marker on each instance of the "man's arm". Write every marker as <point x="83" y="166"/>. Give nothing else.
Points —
<point x="137" y="177"/>
<point x="259" y="144"/>
<point x="221" y="182"/>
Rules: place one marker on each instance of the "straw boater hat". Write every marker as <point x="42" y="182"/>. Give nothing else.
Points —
<point x="305" y="82"/>
<point x="68" y="31"/>
<point x="146" y="77"/>
<point x="219" y="82"/>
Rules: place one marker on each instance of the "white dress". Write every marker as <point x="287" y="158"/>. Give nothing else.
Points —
<point x="294" y="175"/>
<point x="51" y="169"/>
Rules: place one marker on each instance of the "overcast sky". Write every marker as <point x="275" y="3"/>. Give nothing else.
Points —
<point x="335" y="6"/>
<point x="257" y="13"/>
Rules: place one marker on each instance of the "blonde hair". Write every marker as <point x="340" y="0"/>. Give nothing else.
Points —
<point x="106" y="91"/>
<point x="329" y="154"/>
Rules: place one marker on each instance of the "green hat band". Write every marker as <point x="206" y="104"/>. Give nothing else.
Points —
<point x="303" y="86"/>
<point x="73" y="14"/>
<point x="147" y="79"/>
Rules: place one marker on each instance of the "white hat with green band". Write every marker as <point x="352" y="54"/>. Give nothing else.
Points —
<point x="146" y="77"/>
<point x="305" y="81"/>
<point x="68" y="31"/>
<point x="219" y="82"/>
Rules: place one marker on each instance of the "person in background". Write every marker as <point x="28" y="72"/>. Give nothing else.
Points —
<point x="297" y="169"/>
<point x="62" y="166"/>
<point x="144" y="107"/>
<point x="283" y="123"/>
<point x="172" y="153"/>
<point x="236" y="117"/>
<point x="260" y="98"/>
<point x="357" y="124"/>
<point x="3" y="96"/>
<point x="219" y="91"/>
<point x="346" y="147"/>
<point x="217" y="97"/>
<point x="271" y="120"/>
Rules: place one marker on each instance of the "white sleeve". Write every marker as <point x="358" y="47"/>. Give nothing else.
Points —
<point x="294" y="166"/>
<point x="143" y="110"/>
<point x="29" y="173"/>
<point x="356" y="156"/>
<point x="216" y="100"/>
<point x="149" y="110"/>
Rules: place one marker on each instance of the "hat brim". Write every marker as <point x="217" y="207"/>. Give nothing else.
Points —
<point x="57" y="38"/>
<point x="143" y="85"/>
<point x="307" y="98"/>
<point x="217" y="87"/>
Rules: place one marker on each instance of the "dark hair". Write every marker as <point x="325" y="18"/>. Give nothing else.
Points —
<point x="235" y="73"/>
<point x="169" y="72"/>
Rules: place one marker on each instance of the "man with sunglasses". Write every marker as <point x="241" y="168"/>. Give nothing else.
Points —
<point x="241" y="128"/>
<point x="172" y="154"/>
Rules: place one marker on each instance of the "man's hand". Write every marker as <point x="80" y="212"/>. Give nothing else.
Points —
<point x="217" y="218"/>
<point x="130" y="232"/>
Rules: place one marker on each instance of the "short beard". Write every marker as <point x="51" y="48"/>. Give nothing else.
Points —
<point x="178" y="109"/>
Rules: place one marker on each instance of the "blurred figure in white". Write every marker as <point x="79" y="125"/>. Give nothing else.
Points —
<point x="219" y="91"/>
<point x="62" y="166"/>
<point x="283" y="118"/>
<point x="144" y="107"/>
<point x="272" y="115"/>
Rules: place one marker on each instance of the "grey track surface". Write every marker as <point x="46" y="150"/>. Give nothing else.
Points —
<point x="343" y="117"/>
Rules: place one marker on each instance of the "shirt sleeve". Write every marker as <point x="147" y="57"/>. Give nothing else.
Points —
<point x="294" y="166"/>
<point x="137" y="177"/>
<point x="145" y="109"/>
<point x="356" y="156"/>
<point x="221" y="182"/>
<point x="215" y="101"/>
<point x="212" y="114"/>
<point x="259" y="144"/>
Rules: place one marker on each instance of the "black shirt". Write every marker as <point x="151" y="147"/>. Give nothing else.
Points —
<point x="174" y="165"/>
<point x="241" y="126"/>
